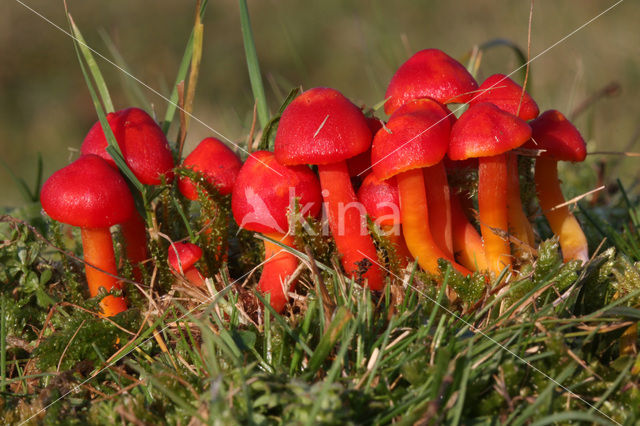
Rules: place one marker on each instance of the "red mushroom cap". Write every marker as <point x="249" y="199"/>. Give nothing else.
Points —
<point x="484" y="130"/>
<point x="419" y="138"/>
<point x="378" y="197"/>
<point x="504" y="93"/>
<point x="214" y="160"/>
<point x="87" y="193"/>
<point x="188" y="254"/>
<point x="556" y="135"/>
<point x="144" y="147"/>
<point x="321" y="126"/>
<point x="262" y="194"/>
<point x="430" y="73"/>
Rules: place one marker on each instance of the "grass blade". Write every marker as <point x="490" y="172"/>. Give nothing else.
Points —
<point x="133" y="91"/>
<point x="182" y="74"/>
<point x="253" y="65"/>
<point x="93" y="66"/>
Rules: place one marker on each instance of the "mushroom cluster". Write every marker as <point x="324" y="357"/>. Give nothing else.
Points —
<point x="359" y="172"/>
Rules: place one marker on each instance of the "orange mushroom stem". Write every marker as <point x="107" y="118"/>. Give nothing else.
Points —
<point x="467" y="243"/>
<point x="492" y="206"/>
<point x="415" y="220"/>
<point x="439" y="198"/>
<point x="279" y="266"/>
<point x="348" y="225"/>
<point x="564" y="224"/>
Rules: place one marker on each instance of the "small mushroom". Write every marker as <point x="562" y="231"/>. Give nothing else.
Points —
<point x="220" y="167"/>
<point x="418" y="138"/>
<point x="507" y="95"/>
<point x="560" y="141"/>
<point x="263" y="195"/>
<point x="91" y="195"/>
<point x="323" y="127"/>
<point x="146" y="151"/>
<point x="182" y="258"/>
<point x="487" y="132"/>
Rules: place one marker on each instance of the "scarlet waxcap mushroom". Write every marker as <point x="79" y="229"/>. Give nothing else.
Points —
<point x="418" y="137"/>
<point x="381" y="200"/>
<point x="487" y="132"/>
<point x="430" y="73"/>
<point x="183" y="255"/>
<point x="560" y="140"/>
<point x="219" y="164"/>
<point x="144" y="147"/>
<point x="323" y="127"/>
<point x="262" y="196"/>
<point x="484" y="130"/>
<point x="87" y="193"/>
<point x="182" y="258"/>
<point x="90" y="194"/>
<point x="264" y="190"/>
<point x="557" y="137"/>
<point x="506" y="94"/>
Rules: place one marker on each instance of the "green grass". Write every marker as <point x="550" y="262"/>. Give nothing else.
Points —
<point x="546" y="349"/>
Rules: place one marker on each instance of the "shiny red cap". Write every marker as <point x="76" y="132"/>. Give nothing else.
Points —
<point x="144" y="147"/>
<point x="559" y="138"/>
<point x="263" y="192"/>
<point x="484" y="130"/>
<point x="87" y="193"/>
<point x="188" y="254"/>
<point x="417" y="136"/>
<point x="321" y="126"/>
<point x="430" y="73"/>
<point x="505" y="93"/>
<point x="381" y="200"/>
<point x="216" y="162"/>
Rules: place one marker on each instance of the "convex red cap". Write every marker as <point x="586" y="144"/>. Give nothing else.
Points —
<point x="430" y="73"/>
<point x="264" y="190"/>
<point x="380" y="199"/>
<point x="187" y="253"/>
<point x="321" y="126"/>
<point x="216" y="162"/>
<point x="144" y="147"/>
<point x="484" y="130"/>
<point x="554" y="134"/>
<point x="417" y="135"/>
<point x="504" y="93"/>
<point x="87" y="193"/>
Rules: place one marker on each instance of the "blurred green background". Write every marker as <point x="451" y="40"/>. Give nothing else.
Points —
<point x="353" y="46"/>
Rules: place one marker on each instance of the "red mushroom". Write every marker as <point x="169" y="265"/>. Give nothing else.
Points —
<point x="418" y="138"/>
<point x="507" y="95"/>
<point x="323" y="127"/>
<point x="146" y="151"/>
<point x="430" y="73"/>
<point x="90" y="194"/>
<point x="182" y="258"/>
<point x="487" y="132"/>
<point x="220" y="167"/>
<point x="382" y="202"/>
<point x="262" y="196"/>
<point x="560" y="141"/>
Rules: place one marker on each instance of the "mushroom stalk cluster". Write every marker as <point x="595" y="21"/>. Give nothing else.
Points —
<point x="335" y="163"/>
